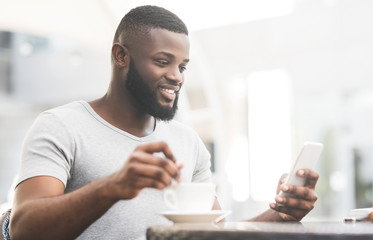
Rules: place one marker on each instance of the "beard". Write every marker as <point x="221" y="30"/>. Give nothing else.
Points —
<point x="146" y="97"/>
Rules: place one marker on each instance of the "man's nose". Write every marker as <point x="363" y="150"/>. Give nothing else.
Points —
<point x="175" y="75"/>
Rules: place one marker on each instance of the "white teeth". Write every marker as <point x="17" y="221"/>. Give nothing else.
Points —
<point x="168" y="90"/>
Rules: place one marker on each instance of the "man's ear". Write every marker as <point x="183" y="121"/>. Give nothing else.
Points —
<point x="120" y="55"/>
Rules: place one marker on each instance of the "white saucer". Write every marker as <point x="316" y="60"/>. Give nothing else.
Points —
<point x="184" y="217"/>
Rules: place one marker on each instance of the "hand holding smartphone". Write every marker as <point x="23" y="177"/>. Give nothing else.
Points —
<point x="307" y="158"/>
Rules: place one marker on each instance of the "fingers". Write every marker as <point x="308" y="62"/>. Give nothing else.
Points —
<point x="134" y="185"/>
<point x="153" y="161"/>
<point x="299" y="192"/>
<point x="292" y="209"/>
<point x="295" y="203"/>
<point x="153" y="172"/>
<point x="150" y="165"/>
<point x="311" y="177"/>
<point x="281" y="181"/>
<point x="164" y="165"/>
<point x="154" y="147"/>
<point x="299" y="200"/>
<point x="283" y="178"/>
<point x="288" y="213"/>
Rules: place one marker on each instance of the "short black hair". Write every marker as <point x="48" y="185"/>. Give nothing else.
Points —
<point x="144" y="18"/>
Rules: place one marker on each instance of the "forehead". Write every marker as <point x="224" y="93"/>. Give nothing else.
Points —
<point x="161" y="40"/>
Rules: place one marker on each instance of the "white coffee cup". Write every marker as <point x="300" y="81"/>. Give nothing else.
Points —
<point x="190" y="197"/>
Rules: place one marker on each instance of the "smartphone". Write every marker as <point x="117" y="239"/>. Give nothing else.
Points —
<point x="307" y="158"/>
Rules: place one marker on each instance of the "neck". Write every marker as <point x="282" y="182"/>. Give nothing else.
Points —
<point x="122" y="111"/>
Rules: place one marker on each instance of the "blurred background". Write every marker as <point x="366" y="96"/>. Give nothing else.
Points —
<point x="265" y="76"/>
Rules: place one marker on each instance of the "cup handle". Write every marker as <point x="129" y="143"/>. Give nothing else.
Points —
<point x="170" y="198"/>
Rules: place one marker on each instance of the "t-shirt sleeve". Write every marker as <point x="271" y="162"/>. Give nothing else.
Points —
<point x="48" y="149"/>
<point x="202" y="172"/>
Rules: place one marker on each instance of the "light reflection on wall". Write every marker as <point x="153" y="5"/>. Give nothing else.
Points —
<point x="269" y="114"/>
<point x="237" y="169"/>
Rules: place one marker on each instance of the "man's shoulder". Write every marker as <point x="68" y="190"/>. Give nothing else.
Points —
<point x="69" y="112"/>
<point x="71" y="106"/>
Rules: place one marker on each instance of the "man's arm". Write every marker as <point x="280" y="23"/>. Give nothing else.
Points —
<point x="292" y="208"/>
<point x="41" y="209"/>
<point x="289" y="208"/>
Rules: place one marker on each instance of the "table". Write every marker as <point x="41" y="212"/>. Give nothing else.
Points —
<point x="262" y="231"/>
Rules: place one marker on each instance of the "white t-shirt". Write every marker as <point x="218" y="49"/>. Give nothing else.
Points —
<point x="74" y="144"/>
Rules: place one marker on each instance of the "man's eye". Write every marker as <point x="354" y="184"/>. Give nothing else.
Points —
<point x="182" y="69"/>
<point x="162" y="62"/>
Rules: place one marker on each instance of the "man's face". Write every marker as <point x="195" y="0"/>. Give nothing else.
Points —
<point x="147" y="97"/>
<point x="155" y="75"/>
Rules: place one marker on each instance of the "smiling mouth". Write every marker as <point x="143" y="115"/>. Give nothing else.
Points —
<point x="169" y="91"/>
<point x="168" y="94"/>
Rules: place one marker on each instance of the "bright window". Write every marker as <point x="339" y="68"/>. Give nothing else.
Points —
<point x="269" y="103"/>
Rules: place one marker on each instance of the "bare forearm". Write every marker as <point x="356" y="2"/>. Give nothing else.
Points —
<point x="267" y="216"/>
<point x="61" y="217"/>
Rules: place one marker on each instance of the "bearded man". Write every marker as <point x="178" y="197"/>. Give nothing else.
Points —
<point x="94" y="170"/>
